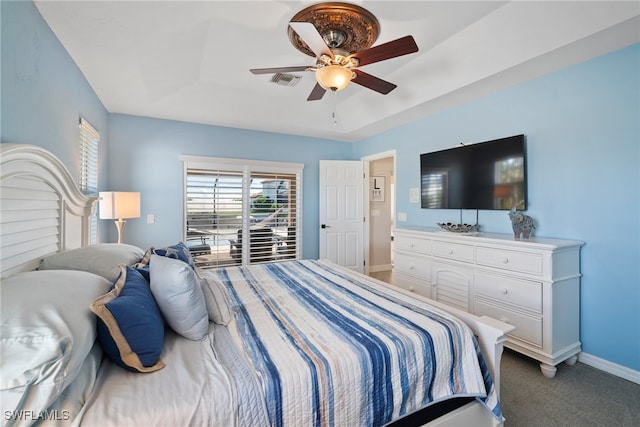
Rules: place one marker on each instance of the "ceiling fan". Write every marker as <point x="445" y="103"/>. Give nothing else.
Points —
<point x="340" y="36"/>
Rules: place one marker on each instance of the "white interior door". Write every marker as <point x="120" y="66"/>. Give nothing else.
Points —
<point x="341" y="213"/>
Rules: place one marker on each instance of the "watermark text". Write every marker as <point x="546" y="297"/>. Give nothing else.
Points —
<point x="26" y="415"/>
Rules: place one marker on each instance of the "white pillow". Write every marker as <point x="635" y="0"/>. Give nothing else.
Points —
<point x="102" y="259"/>
<point x="177" y="291"/>
<point x="47" y="331"/>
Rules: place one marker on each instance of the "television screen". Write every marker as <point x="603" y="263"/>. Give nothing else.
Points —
<point x="489" y="175"/>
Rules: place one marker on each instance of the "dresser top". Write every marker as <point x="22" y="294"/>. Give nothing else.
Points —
<point x="490" y="238"/>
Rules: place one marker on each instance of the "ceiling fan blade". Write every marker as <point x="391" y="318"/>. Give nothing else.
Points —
<point x="372" y="82"/>
<point x="316" y="93"/>
<point x="279" y="69"/>
<point x="392" y="49"/>
<point x="310" y="35"/>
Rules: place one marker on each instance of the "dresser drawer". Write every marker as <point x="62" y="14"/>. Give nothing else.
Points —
<point x="525" y="262"/>
<point x="524" y="293"/>
<point x="456" y="251"/>
<point x="412" y="285"/>
<point x="528" y="328"/>
<point x="412" y="265"/>
<point x="412" y="244"/>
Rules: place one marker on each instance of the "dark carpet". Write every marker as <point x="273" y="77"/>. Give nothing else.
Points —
<point x="579" y="396"/>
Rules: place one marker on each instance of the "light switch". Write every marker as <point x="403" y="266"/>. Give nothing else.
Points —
<point x="414" y="195"/>
<point x="151" y="218"/>
<point x="402" y="216"/>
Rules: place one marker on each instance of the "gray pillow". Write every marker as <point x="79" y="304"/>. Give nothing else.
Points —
<point x="216" y="300"/>
<point x="47" y="332"/>
<point x="102" y="259"/>
<point x="69" y="404"/>
<point x="178" y="293"/>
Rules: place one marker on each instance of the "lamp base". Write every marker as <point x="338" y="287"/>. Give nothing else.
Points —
<point x="120" y="226"/>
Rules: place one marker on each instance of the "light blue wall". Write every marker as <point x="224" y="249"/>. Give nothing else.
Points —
<point x="583" y="139"/>
<point x="583" y="145"/>
<point x="144" y="156"/>
<point x="43" y="91"/>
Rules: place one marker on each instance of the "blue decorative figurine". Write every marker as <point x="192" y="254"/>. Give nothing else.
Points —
<point x="522" y="224"/>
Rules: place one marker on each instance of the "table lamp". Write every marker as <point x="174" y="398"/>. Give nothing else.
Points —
<point x="119" y="205"/>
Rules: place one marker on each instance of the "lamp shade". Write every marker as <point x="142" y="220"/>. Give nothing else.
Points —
<point x="119" y="205"/>
<point x="333" y="77"/>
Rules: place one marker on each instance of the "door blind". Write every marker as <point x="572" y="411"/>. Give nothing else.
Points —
<point x="240" y="216"/>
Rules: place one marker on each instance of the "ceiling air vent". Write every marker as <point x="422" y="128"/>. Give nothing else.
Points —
<point x="285" y="79"/>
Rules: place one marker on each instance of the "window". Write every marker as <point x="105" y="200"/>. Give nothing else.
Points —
<point x="88" y="182"/>
<point x="229" y="202"/>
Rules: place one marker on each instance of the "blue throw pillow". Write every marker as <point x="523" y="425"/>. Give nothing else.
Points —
<point x="143" y="265"/>
<point x="178" y="251"/>
<point x="144" y="271"/>
<point x="130" y="326"/>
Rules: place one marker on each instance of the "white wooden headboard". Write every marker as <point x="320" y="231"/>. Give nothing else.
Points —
<point x="42" y="211"/>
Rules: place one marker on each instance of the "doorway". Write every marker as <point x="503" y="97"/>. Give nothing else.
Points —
<point x="380" y="213"/>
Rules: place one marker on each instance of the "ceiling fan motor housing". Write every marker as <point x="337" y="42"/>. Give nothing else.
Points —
<point x="342" y="25"/>
<point x="334" y="38"/>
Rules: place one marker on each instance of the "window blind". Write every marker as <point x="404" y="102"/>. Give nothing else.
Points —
<point x="242" y="212"/>
<point x="88" y="180"/>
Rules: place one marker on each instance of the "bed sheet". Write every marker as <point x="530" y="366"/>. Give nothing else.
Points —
<point x="193" y="389"/>
<point x="332" y="348"/>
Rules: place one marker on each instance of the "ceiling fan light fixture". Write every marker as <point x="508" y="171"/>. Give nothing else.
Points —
<point x="340" y="36"/>
<point x="334" y="77"/>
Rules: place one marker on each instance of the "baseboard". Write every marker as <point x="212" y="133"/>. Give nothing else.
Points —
<point x="610" y="367"/>
<point x="381" y="267"/>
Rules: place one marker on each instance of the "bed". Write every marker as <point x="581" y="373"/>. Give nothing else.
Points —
<point x="299" y="342"/>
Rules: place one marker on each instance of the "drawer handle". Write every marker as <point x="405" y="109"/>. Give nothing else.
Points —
<point x="450" y="251"/>
<point x="505" y="260"/>
<point x="504" y="319"/>
<point x="411" y="244"/>
<point x="411" y="267"/>
<point x="505" y="291"/>
<point x="412" y="289"/>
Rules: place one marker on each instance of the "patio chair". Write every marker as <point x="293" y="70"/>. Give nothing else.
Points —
<point x="261" y="245"/>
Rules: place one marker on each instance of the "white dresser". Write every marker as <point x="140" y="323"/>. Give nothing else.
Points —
<point x="533" y="284"/>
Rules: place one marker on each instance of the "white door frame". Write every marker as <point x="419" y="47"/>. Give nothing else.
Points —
<point x="365" y="202"/>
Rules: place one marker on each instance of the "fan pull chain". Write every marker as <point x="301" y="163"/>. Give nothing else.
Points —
<point x="334" y="102"/>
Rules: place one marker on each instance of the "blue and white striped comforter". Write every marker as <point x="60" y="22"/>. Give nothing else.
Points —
<point x="331" y="348"/>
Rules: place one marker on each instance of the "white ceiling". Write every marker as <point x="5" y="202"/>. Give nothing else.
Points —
<point x="190" y="61"/>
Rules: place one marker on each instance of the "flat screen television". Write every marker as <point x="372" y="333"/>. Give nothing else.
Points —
<point x="490" y="175"/>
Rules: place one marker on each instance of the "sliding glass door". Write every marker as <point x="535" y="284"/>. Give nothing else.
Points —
<point x="241" y="212"/>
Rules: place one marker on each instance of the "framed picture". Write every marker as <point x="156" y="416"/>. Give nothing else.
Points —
<point x="377" y="188"/>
